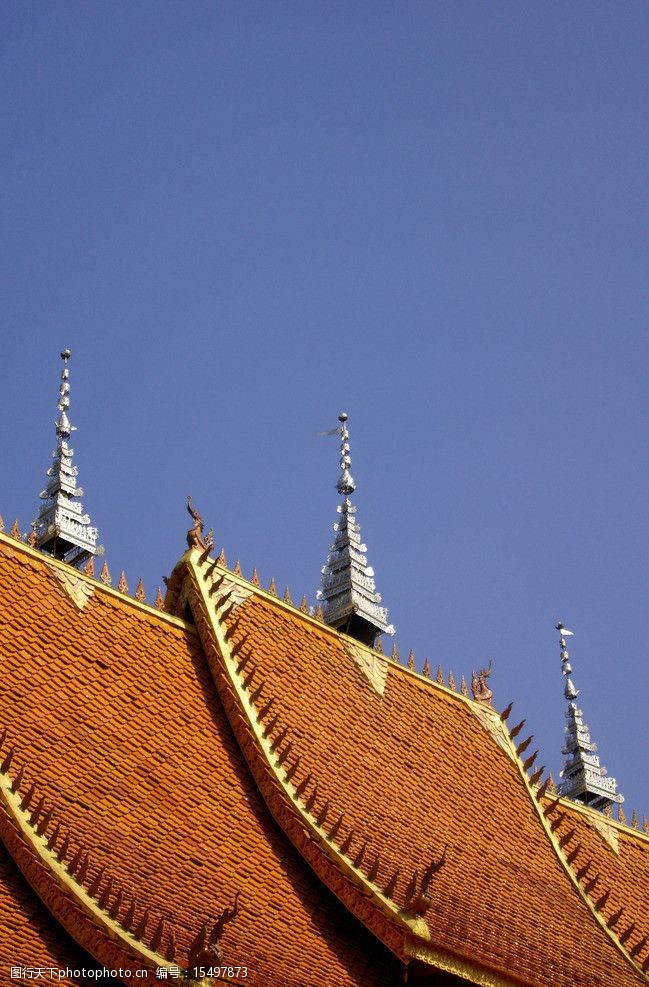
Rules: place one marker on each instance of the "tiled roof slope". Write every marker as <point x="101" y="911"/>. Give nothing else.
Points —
<point x="618" y="856"/>
<point x="114" y="716"/>
<point x="29" y="937"/>
<point x="403" y="772"/>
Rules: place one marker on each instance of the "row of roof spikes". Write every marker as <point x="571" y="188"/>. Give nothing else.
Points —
<point x="347" y="598"/>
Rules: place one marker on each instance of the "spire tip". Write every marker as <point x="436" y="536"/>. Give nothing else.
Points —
<point x="62" y="528"/>
<point x="584" y="778"/>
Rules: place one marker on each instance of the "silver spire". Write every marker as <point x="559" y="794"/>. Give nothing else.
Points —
<point x="348" y="595"/>
<point x="584" y="779"/>
<point x="61" y="528"/>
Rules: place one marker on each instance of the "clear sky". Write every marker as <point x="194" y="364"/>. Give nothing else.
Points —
<point x="245" y="217"/>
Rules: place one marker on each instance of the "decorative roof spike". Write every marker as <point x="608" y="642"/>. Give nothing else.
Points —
<point x="584" y="779"/>
<point x="159" y="600"/>
<point x="140" y="595"/>
<point x="440" y="675"/>
<point x="621" y="816"/>
<point x="411" y="660"/>
<point x="62" y="528"/>
<point x="390" y="887"/>
<point x="254" y="579"/>
<point x="238" y="571"/>
<point x="156" y="938"/>
<point x="15" y="529"/>
<point x="426" y="669"/>
<point x="451" y="681"/>
<point x="304" y="605"/>
<point x="287" y="597"/>
<point x="347" y="592"/>
<point x="395" y="656"/>
<point x="116" y="907"/>
<point x="464" y="689"/>
<point x="272" y="587"/>
<point x="127" y="921"/>
<point x="105" y="574"/>
<point x="2" y="524"/>
<point x="635" y="822"/>
<point x="122" y="585"/>
<point x="89" y="567"/>
<point x="140" y="931"/>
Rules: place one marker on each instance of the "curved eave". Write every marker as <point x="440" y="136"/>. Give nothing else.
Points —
<point x="68" y="901"/>
<point x="380" y="915"/>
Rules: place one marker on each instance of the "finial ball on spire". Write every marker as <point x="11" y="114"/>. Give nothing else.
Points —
<point x="343" y="416"/>
<point x="65" y="354"/>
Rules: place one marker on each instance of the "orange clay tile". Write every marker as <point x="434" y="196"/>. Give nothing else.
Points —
<point x="409" y="774"/>
<point x="29" y="936"/>
<point x="114" y="714"/>
<point x="620" y="856"/>
<point x="163" y="749"/>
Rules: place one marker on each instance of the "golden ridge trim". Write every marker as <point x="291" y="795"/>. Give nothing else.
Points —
<point x="551" y="827"/>
<point x="449" y="964"/>
<point x="364" y="899"/>
<point x="24" y="836"/>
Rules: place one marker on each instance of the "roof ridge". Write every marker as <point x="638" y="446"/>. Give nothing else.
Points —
<point x="97" y="583"/>
<point x="24" y="826"/>
<point x="417" y="887"/>
<point x="340" y="869"/>
<point x="538" y="795"/>
<point x="595" y="814"/>
<point x="286" y="602"/>
<point x="235" y="575"/>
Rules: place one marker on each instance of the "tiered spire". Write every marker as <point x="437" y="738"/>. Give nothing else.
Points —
<point x="348" y="596"/>
<point x="62" y="529"/>
<point x="584" y="779"/>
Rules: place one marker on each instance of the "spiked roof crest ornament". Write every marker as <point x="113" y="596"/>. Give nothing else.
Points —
<point x="584" y="779"/>
<point x="62" y="528"/>
<point x="348" y="594"/>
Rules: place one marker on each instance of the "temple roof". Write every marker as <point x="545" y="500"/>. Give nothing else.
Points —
<point x="114" y="716"/>
<point x="367" y="816"/>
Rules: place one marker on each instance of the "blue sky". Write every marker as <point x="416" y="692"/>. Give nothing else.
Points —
<point x="245" y="217"/>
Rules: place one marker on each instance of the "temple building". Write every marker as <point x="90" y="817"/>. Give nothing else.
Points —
<point x="230" y="786"/>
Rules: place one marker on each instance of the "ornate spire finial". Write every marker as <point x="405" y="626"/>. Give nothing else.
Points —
<point x="347" y="594"/>
<point x="345" y="485"/>
<point x="584" y="779"/>
<point x="62" y="529"/>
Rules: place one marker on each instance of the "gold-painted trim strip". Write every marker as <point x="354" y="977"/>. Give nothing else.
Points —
<point x="58" y="871"/>
<point x="574" y="880"/>
<point x="318" y="835"/>
<point x="450" y="964"/>
<point x="49" y="561"/>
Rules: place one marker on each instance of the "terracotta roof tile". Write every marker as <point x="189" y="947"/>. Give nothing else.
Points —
<point x="142" y="767"/>
<point x="28" y="935"/>
<point x="414" y="770"/>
